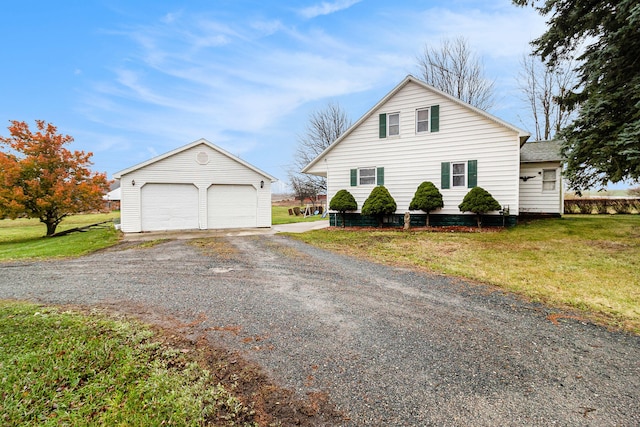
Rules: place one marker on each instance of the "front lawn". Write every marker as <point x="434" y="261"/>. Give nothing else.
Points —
<point x="24" y="238"/>
<point x="63" y="368"/>
<point x="584" y="262"/>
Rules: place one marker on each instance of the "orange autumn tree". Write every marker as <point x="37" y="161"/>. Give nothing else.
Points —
<point x="40" y="178"/>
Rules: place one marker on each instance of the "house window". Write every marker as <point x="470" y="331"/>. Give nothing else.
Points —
<point x="548" y="179"/>
<point x="367" y="176"/>
<point x="422" y="120"/>
<point x="458" y="175"/>
<point x="394" y="124"/>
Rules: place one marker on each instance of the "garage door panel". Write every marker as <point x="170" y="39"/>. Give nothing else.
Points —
<point x="231" y="206"/>
<point x="169" y="207"/>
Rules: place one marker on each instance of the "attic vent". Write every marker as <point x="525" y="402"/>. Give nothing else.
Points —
<point x="202" y="158"/>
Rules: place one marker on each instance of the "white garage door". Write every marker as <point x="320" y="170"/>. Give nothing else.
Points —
<point x="169" y="207"/>
<point x="231" y="206"/>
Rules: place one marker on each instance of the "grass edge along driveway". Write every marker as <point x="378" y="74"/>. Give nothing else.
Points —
<point x="588" y="263"/>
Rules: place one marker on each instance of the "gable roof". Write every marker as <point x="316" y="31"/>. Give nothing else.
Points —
<point x="523" y="135"/>
<point x="200" y="141"/>
<point x="540" y="151"/>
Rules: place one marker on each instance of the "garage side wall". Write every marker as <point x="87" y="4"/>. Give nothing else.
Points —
<point x="202" y="167"/>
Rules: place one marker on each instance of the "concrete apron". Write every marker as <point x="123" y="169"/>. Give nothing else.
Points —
<point x="298" y="227"/>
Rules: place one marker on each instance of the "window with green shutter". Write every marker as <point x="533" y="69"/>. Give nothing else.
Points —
<point x="445" y="175"/>
<point x="472" y="170"/>
<point x="380" y="176"/>
<point x="383" y="126"/>
<point x="435" y="118"/>
<point x="354" y="177"/>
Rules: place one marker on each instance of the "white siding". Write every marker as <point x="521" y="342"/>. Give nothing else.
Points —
<point x="533" y="199"/>
<point x="411" y="158"/>
<point x="186" y="167"/>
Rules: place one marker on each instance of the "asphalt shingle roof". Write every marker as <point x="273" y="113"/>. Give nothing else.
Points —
<point x="540" y="151"/>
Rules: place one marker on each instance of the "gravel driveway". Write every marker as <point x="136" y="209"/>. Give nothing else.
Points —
<point x="391" y="347"/>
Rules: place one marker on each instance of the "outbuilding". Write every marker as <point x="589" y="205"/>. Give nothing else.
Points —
<point x="197" y="186"/>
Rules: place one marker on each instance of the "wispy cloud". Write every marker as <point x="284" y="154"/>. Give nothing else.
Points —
<point x="326" y="8"/>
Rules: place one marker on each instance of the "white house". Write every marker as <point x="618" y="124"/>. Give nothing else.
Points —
<point x="197" y="186"/>
<point x="417" y="133"/>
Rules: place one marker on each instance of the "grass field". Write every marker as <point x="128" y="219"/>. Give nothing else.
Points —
<point x="280" y="215"/>
<point x="24" y="238"/>
<point x="586" y="262"/>
<point x="63" y="368"/>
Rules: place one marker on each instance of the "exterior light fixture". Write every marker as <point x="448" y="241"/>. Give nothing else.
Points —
<point x="261" y="184"/>
<point x="133" y="182"/>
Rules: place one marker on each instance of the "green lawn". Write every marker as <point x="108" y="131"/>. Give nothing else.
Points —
<point x="63" y="368"/>
<point x="24" y="238"/>
<point x="280" y="215"/>
<point x="586" y="262"/>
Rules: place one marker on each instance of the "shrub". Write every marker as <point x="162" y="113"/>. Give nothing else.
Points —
<point x="342" y="202"/>
<point x="479" y="201"/>
<point x="379" y="203"/>
<point x="427" y="198"/>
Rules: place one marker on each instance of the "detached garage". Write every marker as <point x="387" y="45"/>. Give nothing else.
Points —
<point x="198" y="186"/>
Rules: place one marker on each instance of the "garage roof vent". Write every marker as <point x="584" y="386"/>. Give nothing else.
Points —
<point x="202" y="158"/>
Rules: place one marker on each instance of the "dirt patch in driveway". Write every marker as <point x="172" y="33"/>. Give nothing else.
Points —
<point x="271" y="404"/>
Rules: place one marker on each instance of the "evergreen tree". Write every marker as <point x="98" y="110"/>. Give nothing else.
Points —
<point x="342" y="202"/>
<point x="427" y="198"/>
<point x="479" y="201"/>
<point x="379" y="203"/>
<point x="603" y="143"/>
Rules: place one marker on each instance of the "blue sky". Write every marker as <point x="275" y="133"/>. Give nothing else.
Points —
<point x="133" y="79"/>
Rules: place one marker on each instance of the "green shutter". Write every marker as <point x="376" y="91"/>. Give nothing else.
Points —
<point x="354" y="177"/>
<point x="383" y="126"/>
<point x="445" y="178"/>
<point x="380" y="176"/>
<point x="472" y="170"/>
<point x="435" y="118"/>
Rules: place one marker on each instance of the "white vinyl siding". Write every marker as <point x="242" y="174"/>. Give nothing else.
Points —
<point x="534" y="198"/>
<point x="416" y="157"/>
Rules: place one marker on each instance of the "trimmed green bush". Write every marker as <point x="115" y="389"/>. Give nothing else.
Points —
<point x="342" y="202"/>
<point x="427" y="198"/>
<point x="479" y="201"/>
<point x="379" y="203"/>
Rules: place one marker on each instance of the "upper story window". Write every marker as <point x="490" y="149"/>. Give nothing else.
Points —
<point x="394" y="124"/>
<point x="422" y="120"/>
<point x="548" y="179"/>
<point x="389" y="125"/>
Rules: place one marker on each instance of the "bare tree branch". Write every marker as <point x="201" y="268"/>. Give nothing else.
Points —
<point x="454" y="69"/>
<point x="324" y="127"/>
<point x="543" y="87"/>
